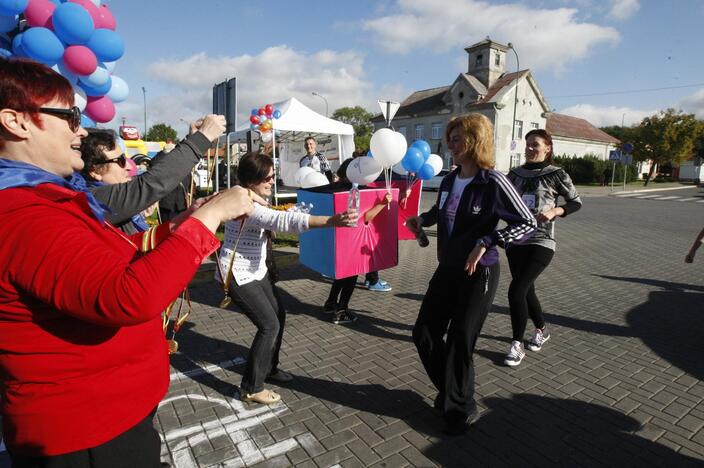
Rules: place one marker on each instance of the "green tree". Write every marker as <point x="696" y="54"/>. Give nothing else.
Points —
<point x="666" y="137"/>
<point x="361" y="120"/>
<point x="161" y="132"/>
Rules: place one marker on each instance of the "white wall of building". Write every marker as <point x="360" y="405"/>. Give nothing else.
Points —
<point x="577" y="148"/>
<point x="689" y="171"/>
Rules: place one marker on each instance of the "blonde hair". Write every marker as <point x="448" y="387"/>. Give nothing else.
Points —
<point x="477" y="133"/>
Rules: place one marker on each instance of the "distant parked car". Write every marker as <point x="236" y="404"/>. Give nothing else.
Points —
<point x="434" y="183"/>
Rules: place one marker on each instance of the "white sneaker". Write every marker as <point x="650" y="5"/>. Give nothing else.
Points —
<point x="515" y="354"/>
<point x="539" y="339"/>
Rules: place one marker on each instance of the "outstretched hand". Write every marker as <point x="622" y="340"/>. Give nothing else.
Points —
<point x="212" y="126"/>
<point x="347" y="218"/>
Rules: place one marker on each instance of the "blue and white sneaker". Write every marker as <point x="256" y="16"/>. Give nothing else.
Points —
<point x="379" y="286"/>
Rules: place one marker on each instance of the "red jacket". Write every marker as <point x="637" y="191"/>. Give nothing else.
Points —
<point x="82" y="351"/>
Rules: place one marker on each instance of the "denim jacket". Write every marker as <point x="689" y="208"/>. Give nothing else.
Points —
<point x="488" y="198"/>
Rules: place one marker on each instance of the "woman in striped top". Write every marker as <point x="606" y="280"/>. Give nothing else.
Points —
<point x="247" y="278"/>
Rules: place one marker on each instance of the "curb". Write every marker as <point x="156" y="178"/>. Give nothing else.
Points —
<point x="652" y="190"/>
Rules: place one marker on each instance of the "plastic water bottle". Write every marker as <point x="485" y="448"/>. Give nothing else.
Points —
<point x="353" y="198"/>
<point x="422" y="238"/>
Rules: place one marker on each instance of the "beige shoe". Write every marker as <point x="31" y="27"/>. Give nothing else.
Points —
<point x="265" y="397"/>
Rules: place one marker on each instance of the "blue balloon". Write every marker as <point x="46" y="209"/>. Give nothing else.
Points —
<point x="119" y="89"/>
<point x="87" y="122"/>
<point x="255" y="111"/>
<point x="8" y="23"/>
<point x="413" y="159"/>
<point x="106" y="45"/>
<point x="96" y="79"/>
<point x="4" y="53"/>
<point x="424" y="147"/>
<point x="72" y="23"/>
<point x="369" y="154"/>
<point x="12" y="7"/>
<point x="109" y="66"/>
<point x="42" y="45"/>
<point x="426" y="172"/>
<point x="253" y="127"/>
<point x="66" y="73"/>
<point x="277" y="114"/>
<point x="17" y="46"/>
<point x="98" y="90"/>
<point x="56" y="2"/>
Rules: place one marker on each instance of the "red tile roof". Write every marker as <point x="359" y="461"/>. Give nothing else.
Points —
<point x="574" y="127"/>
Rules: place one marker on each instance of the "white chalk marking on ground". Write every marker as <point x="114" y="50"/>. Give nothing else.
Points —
<point x="207" y="369"/>
<point x="184" y="459"/>
<point x="279" y="448"/>
<point x="700" y="201"/>
<point x="249" y="452"/>
<point x="672" y="197"/>
<point x="688" y="199"/>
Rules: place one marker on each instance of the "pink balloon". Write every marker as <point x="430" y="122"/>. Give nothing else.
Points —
<point x="105" y="18"/>
<point x="101" y="109"/>
<point x="80" y="60"/>
<point x="90" y="8"/>
<point x="38" y="13"/>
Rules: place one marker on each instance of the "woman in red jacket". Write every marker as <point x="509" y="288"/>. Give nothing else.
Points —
<point x="83" y="359"/>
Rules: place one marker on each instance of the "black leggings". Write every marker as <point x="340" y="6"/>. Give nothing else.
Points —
<point x="526" y="262"/>
<point x="343" y="287"/>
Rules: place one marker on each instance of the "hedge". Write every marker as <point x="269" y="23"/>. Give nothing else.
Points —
<point x="592" y="170"/>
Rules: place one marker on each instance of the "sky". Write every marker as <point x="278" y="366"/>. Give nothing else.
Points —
<point x="608" y="61"/>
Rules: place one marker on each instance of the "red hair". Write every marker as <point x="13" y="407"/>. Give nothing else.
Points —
<point x="26" y="86"/>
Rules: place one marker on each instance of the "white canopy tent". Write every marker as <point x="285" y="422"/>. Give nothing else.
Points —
<point x="297" y="122"/>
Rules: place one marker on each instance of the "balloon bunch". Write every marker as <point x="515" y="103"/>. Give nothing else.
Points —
<point x="419" y="163"/>
<point x="387" y="148"/>
<point x="76" y="38"/>
<point x="262" y="121"/>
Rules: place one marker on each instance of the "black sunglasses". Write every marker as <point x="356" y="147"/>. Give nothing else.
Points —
<point x="121" y="161"/>
<point x="72" y="115"/>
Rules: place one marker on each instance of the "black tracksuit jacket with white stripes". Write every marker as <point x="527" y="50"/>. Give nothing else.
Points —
<point x="488" y="198"/>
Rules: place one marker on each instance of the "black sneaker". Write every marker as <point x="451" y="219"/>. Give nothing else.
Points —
<point x="343" y="316"/>
<point x="461" y="426"/>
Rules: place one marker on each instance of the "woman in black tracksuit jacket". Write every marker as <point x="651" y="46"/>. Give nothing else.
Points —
<point x="471" y="201"/>
<point x="540" y="183"/>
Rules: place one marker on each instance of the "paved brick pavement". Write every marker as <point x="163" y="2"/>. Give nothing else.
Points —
<point x="619" y="383"/>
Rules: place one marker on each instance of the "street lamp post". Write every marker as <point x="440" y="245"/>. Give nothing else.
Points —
<point x="323" y="98"/>
<point x="144" y="93"/>
<point x="515" y="97"/>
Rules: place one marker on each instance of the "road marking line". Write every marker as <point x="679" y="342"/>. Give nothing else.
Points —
<point x="668" y="198"/>
<point x="624" y="195"/>
<point x="648" y="196"/>
<point x="689" y="199"/>
<point x="700" y="201"/>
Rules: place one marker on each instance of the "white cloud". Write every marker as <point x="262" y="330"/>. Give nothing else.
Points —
<point x="693" y="104"/>
<point x="624" y="9"/>
<point x="602" y="116"/>
<point x="275" y="74"/>
<point x="544" y="38"/>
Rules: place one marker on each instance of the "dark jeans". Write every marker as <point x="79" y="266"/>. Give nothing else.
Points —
<point x="260" y="301"/>
<point x="372" y="277"/>
<point x="457" y="304"/>
<point x="342" y="288"/>
<point x="138" y="447"/>
<point x="526" y="262"/>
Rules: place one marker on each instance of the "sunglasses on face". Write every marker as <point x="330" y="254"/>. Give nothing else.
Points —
<point x="268" y="178"/>
<point x="72" y="116"/>
<point x="121" y="161"/>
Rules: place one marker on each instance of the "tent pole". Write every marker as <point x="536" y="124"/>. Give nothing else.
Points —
<point x="273" y="153"/>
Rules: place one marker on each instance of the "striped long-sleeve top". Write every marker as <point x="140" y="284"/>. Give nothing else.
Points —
<point x="488" y="198"/>
<point x="250" y="255"/>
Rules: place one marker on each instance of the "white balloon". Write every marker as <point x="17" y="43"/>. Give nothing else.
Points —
<point x="386" y="147"/>
<point x="96" y="3"/>
<point x="79" y="98"/>
<point x="266" y="137"/>
<point x="402" y="144"/>
<point x="300" y="175"/>
<point x="399" y="169"/>
<point x="363" y="170"/>
<point x="436" y="162"/>
<point x="314" y="179"/>
<point x="109" y="66"/>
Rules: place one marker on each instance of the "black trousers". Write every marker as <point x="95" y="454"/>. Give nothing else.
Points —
<point x="341" y="292"/>
<point x="526" y="262"/>
<point x="138" y="447"/>
<point x="456" y="304"/>
<point x="260" y="301"/>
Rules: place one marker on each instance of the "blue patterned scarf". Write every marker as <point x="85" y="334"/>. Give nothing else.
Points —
<point x="20" y="174"/>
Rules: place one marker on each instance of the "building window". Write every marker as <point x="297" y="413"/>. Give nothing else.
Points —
<point x="435" y="131"/>
<point x="419" y="132"/>
<point x="518" y="129"/>
<point x="534" y="126"/>
<point x="515" y="160"/>
<point x="497" y="60"/>
<point x="480" y="57"/>
<point x="402" y="131"/>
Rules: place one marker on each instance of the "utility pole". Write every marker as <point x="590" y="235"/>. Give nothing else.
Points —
<point x="144" y="94"/>
<point x="515" y="97"/>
